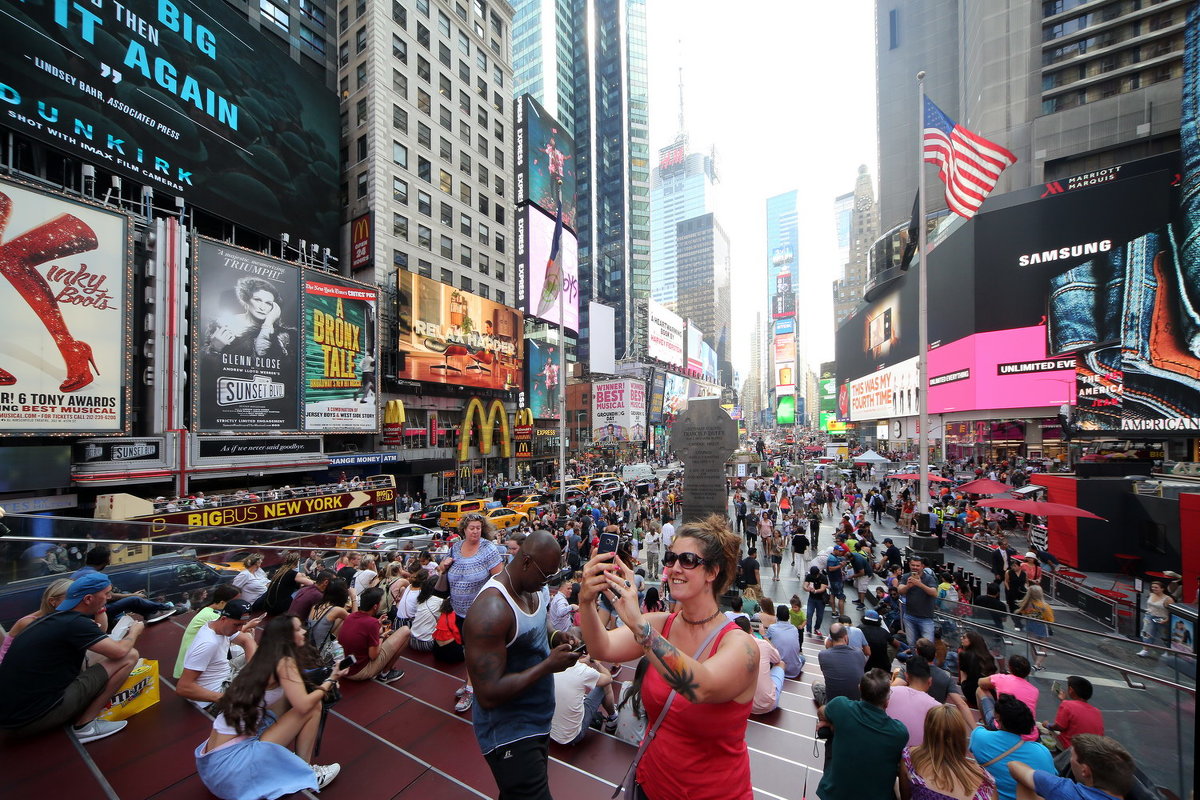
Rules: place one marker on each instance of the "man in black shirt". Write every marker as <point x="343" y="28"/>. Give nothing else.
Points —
<point x="749" y="569"/>
<point x="878" y="638"/>
<point x="992" y="602"/>
<point x="891" y="554"/>
<point x="41" y="685"/>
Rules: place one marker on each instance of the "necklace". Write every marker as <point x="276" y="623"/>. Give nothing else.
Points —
<point x="709" y="618"/>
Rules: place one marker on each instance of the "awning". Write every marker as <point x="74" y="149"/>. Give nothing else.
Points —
<point x="1028" y="489"/>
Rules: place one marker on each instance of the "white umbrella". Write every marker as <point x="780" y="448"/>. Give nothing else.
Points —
<point x="869" y="457"/>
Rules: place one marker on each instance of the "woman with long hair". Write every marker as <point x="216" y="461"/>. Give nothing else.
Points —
<point x="266" y="710"/>
<point x="941" y="768"/>
<point x="652" y="604"/>
<point x="473" y="560"/>
<point x="1154" y="623"/>
<point x="631" y="715"/>
<point x="286" y="581"/>
<point x="428" y="607"/>
<point x="817" y="586"/>
<point x="328" y="615"/>
<point x="698" y="661"/>
<point x="51" y="597"/>
<point x="1037" y="615"/>
<point x="974" y="662"/>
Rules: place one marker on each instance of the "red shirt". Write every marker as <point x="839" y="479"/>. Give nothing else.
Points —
<point x="358" y="634"/>
<point x="1076" y="717"/>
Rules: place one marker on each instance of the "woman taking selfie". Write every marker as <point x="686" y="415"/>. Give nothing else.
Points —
<point x="703" y="670"/>
<point x="266" y="710"/>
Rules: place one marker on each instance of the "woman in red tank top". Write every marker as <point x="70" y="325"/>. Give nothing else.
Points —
<point x="699" y="751"/>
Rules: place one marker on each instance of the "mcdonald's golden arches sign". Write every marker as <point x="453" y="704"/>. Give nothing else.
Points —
<point x="487" y="425"/>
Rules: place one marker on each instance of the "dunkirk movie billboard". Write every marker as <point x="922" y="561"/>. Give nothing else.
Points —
<point x="63" y="365"/>
<point x="181" y="96"/>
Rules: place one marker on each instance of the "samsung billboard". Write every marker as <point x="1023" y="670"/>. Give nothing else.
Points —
<point x="181" y="96"/>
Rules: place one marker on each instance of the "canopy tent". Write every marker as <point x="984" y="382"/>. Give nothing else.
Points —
<point x="869" y="457"/>
<point x="912" y="476"/>
<point x="984" y="486"/>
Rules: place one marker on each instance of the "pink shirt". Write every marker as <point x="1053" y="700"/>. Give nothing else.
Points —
<point x="909" y="707"/>
<point x="1021" y="689"/>
<point x="764" y="693"/>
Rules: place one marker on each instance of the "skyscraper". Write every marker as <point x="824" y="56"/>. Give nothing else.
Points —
<point x="612" y="119"/>
<point x="1079" y="87"/>
<point x="862" y="232"/>
<point x="542" y="56"/>
<point x="681" y="187"/>
<point x="843" y="209"/>
<point x="786" y="341"/>
<point x="704" y="274"/>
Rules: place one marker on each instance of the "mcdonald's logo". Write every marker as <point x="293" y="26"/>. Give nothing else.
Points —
<point x="523" y="417"/>
<point x="487" y="424"/>
<point x="360" y="241"/>
<point x="393" y="413"/>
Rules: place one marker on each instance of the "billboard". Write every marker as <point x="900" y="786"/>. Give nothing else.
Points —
<point x="545" y="161"/>
<point x="63" y="362"/>
<point x="890" y="392"/>
<point x="183" y="97"/>
<point x="361" y="241"/>
<point x="664" y="339"/>
<point x="453" y="337"/>
<point x="541" y="359"/>
<point x="245" y="336"/>
<point x="340" y="339"/>
<point x="783" y="243"/>
<point x="708" y="357"/>
<point x="785" y="411"/>
<point x="785" y="363"/>
<point x="539" y="279"/>
<point x="695" y="337"/>
<point x="618" y="411"/>
<point x="658" y="386"/>
<point x="675" y="395"/>
<point x="783" y="290"/>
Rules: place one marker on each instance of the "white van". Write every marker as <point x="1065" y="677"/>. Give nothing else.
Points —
<point x="637" y="472"/>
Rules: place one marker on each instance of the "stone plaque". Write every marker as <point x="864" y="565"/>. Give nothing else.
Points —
<point x="704" y="436"/>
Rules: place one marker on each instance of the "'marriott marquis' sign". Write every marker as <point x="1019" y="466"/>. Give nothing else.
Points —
<point x="180" y="96"/>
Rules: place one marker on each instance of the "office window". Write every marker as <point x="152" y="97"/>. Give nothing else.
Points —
<point x="423" y="7"/>
<point x="481" y="117"/>
<point x="481" y="144"/>
<point x="423" y="71"/>
<point x="400" y="259"/>
<point x="443" y="24"/>
<point x="399" y="190"/>
<point x="464" y="101"/>
<point x="344" y="54"/>
<point x="893" y="29"/>
<point x="360" y="75"/>
<point x="400" y="83"/>
<point x="464" y="72"/>
<point x="484" y="263"/>
<point x="360" y="8"/>
<point x="447" y="247"/>
<point x="500" y="215"/>
<point x="484" y="204"/>
<point x="344" y="86"/>
<point x="424" y="237"/>
<point x="424" y="135"/>
<point x="399" y="14"/>
<point x="424" y="203"/>
<point x="445" y="119"/>
<point x="498" y="130"/>
<point x="447" y="277"/>
<point x="422" y="36"/>
<point x="498" y="102"/>
<point x="464" y="192"/>
<point x="399" y="119"/>
<point x="424" y="101"/>
<point x="400" y="226"/>
<point x="312" y="40"/>
<point x="485" y="233"/>
<point x="481" y="59"/>
<point x="485" y="291"/>
<point x="481" y="87"/>
<point x="466" y="284"/>
<point x="464" y="131"/>
<point x="445" y="182"/>
<point x="498" y="156"/>
<point x="399" y="48"/>
<point x="361" y="185"/>
<point x="343" y="19"/>
<point x="464" y="42"/>
<point x="461" y="10"/>
<point x="500" y="185"/>
<point x="424" y="169"/>
<point x="360" y="111"/>
<point x="360" y="39"/>
<point x="500" y="243"/>
<point x="484" y="175"/>
<point x="499" y="270"/>
<point x="400" y="154"/>
<point x="464" y="224"/>
<point x="273" y="14"/>
<point x="444" y="53"/>
<point x="444" y="86"/>
<point x="498" y="75"/>
<point x="360" y="148"/>
<point x="445" y="150"/>
<point x="464" y="162"/>
<point x="500" y="297"/>
<point x="446" y="214"/>
<point x="464" y="255"/>
<point x="424" y="268"/>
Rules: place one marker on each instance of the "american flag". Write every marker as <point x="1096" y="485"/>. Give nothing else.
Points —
<point x="968" y="164"/>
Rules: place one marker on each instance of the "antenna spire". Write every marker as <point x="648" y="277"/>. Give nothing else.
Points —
<point x="682" y="127"/>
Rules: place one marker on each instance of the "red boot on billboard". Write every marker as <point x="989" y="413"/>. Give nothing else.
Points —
<point x="65" y="235"/>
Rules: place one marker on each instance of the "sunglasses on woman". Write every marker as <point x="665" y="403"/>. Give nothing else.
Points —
<point x="686" y="560"/>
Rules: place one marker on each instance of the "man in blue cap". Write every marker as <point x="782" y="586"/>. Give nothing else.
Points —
<point x="41" y="685"/>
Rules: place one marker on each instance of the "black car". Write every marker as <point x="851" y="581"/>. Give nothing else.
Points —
<point x="506" y="494"/>
<point x="164" y="578"/>
<point x="427" y="516"/>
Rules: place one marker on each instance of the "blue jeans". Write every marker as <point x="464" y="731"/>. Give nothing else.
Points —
<point x="918" y="628"/>
<point x="987" y="710"/>
<point x="816" y="612"/>
<point x="777" y="679"/>
<point x="135" y="605"/>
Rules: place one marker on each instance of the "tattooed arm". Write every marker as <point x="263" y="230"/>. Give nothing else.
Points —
<point x="731" y="673"/>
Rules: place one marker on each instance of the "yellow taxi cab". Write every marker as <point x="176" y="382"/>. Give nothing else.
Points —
<point x="504" y="518"/>
<point x="350" y="534"/>
<point x="600" y="477"/>
<point x="525" y="504"/>
<point x="454" y="510"/>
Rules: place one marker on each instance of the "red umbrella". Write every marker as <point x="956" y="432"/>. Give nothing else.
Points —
<point x="1040" y="508"/>
<point x="912" y="476"/>
<point x="984" y="486"/>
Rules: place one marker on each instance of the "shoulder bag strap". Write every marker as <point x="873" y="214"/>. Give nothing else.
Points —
<point x="1004" y="755"/>
<point x="631" y="775"/>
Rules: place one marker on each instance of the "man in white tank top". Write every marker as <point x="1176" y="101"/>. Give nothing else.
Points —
<point x="511" y="664"/>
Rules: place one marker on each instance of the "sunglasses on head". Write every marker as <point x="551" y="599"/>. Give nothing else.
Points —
<point x="686" y="560"/>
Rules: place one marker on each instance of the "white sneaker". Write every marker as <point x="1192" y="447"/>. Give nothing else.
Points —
<point x="325" y="774"/>
<point x="98" y="729"/>
<point x="1142" y="653"/>
<point x="158" y="616"/>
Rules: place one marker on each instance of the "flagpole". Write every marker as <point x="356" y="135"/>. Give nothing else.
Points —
<point x="562" y="370"/>
<point x="922" y="311"/>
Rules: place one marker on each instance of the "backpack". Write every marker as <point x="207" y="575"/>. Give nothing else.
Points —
<point x="387" y="606"/>
<point x="329" y="651"/>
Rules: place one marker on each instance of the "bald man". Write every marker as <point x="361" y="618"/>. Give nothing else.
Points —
<point x="508" y="640"/>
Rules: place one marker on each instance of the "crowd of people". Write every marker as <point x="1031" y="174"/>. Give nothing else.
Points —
<point x="544" y="616"/>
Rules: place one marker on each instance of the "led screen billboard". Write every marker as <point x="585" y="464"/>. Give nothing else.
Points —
<point x="181" y="96"/>
<point x="785" y="411"/>
<point x="695" y="337"/>
<point x="657" y="392"/>
<point x="545" y="161"/>
<point x="708" y="357"/>
<point x="541" y="359"/>
<point x="783" y="243"/>
<point x="453" y="337"/>
<point x="890" y="392"/>
<point x="675" y="395"/>
<point x="785" y="363"/>
<point x="63" y="364"/>
<point x="340" y="339"/>
<point x="245" y="340"/>
<point x="783" y="290"/>
<point x="664" y="335"/>
<point x="618" y="411"/>
<point x="543" y="286"/>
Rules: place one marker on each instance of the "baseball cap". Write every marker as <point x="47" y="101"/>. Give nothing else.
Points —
<point x="236" y="609"/>
<point x="871" y="615"/>
<point x="887" y="541"/>
<point x="81" y="587"/>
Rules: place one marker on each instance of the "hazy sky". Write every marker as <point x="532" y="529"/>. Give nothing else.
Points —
<point x="785" y="90"/>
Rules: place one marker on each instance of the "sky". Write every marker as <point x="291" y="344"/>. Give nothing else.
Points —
<point x="785" y="91"/>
